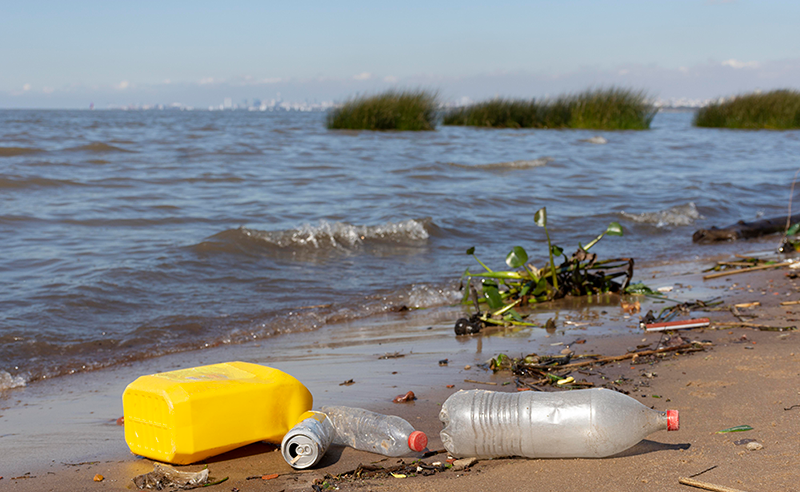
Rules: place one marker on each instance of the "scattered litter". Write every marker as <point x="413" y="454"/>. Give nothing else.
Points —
<point x="404" y="398"/>
<point x="164" y="476"/>
<point x="665" y="289"/>
<point x="745" y="305"/>
<point x="738" y="428"/>
<point x="792" y="407"/>
<point x="480" y="382"/>
<point x="789" y="303"/>
<point x="121" y="420"/>
<point x="270" y="476"/>
<point x="467" y="367"/>
<point x="443" y="362"/>
<point x="754" y="446"/>
<point x="630" y="307"/>
<point x="398" y="475"/>
<point x="347" y="383"/>
<point x="395" y="355"/>
<point x="565" y="381"/>
<point x="98" y="478"/>
<point x="742" y="442"/>
<point x="678" y="325"/>
<point x="464" y="463"/>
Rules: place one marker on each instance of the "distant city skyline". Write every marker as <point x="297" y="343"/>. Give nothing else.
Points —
<point x="73" y="54"/>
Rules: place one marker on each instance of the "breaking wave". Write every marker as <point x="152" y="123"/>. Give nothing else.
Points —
<point x="7" y="381"/>
<point x="324" y="236"/>
<point x="681" y="215"/>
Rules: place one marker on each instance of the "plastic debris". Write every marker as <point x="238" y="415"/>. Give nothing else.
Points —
<point x="678" y="325"/>
<point x="164" y="476"/>
<point x="404" y="398"/>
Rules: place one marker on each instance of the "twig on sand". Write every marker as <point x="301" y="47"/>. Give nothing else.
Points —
<point x="686" y="347"/>
<point x="745" y="270"/>
<point x="706" y="486"/>
<point x="480" y="382"/>
<point x="734" y="324"/>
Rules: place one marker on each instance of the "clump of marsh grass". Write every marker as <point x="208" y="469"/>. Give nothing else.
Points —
<point x="600" y="109"/>
<point x="391" y="110"/>
<point x="774" y="110"/>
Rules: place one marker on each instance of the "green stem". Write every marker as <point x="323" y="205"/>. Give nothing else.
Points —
<point x="552" y="264"/>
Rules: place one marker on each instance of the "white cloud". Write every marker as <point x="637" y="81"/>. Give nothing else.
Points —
<point x="26" y="87"/>
<point x="733" y="63"/>
<point x="271" y="80"/>
<point x="390" y="79"/>
<point x="207" y="80"/>
<point x="123" y="85"/>
<point x="362" y="76"/>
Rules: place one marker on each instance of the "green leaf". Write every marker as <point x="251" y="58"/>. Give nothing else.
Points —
<point x="517" y="257"/>
<point x="738" y="428"/>
<point x="541" y="287"/>
<point x="540" y="217"/>
<point x="501" y="275"/>
<point x="492" y="295"/>
<point x="793" y="230"/>
<point x="471" y="251"/>
<point x="640" y="288"/>
<point x="614" y="229"/>
<point x="557" y="250"/>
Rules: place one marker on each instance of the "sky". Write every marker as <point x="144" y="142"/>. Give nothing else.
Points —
<point x="58" y="54"/>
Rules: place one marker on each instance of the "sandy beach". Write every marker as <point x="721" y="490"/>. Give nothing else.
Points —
<point x="58" y="434"/>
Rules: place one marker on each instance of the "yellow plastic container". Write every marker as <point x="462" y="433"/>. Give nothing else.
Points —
<point x="188" y="415"/>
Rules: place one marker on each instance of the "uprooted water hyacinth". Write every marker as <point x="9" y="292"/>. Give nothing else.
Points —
<point x="578" y="275"/>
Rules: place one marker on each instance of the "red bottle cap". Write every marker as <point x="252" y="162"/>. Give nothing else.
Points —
<point x="673" y="423"/>
<point x="417" y="441"/>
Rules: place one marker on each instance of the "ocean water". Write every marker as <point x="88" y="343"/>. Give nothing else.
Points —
<point x="130" y="234"/>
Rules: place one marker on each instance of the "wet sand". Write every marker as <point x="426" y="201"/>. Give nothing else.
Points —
<point x="57" y="435"/>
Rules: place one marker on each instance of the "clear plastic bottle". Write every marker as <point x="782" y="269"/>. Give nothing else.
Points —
<point x="591" y="423"/>
<point x="369" y="431"/>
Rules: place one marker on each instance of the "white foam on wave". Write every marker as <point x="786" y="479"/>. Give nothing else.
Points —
<point x="425" y="296"/>
<point x="7" y="381"/>
<point x="343" y="235"/>
<point x="598" y="140"/>
<point x="681" y="215"/>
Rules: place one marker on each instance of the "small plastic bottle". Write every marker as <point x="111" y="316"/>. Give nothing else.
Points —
<point x="388" y="435"/>
<point x="591" y="423"/>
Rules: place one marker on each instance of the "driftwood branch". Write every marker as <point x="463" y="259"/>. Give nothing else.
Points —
<point x="743" y="230"/>
<point x="687" y="347"/>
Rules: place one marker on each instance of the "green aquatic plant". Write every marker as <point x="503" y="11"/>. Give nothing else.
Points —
<point x="774" y="110"/>
<point x="598" y="109"/>
<point x="578" y="275"/>
<point x="392" y="110"/>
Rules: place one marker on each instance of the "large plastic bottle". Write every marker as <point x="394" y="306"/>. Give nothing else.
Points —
<point x="191" y="414"/>
<point x="369" y="431"/>
<point x="591" y="423"/>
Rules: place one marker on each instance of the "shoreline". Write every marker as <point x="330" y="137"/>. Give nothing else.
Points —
<point x="63" y="431"/>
